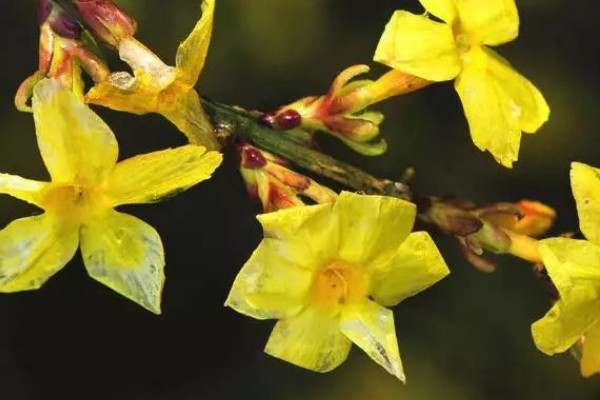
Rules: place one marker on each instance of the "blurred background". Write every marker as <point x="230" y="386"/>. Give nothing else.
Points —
<point x="467" y="338"/>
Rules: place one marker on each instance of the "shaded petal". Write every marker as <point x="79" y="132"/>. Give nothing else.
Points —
<point x="372" y="228"/>
<point x="311" y="339"/>
<point x="32" y="250"/>
<point x="499" y="104"/>
<point x="443" y="9"/>
<point x="76" y="145"/>
<point x="23" y="189"/>
<point x="312" y="231"/>
<point x="125" y="254"/>
<point x="419" y="46"/>
<point x="191" y="54"/>
<point x="150" y="177"/>
<point x="274" y="282"/>
<point x="371" y="327"/>
<point x="572" y="264"/>
<point x="417" y="265"/>
<point x="491" y="22"/>
<point x="590" y="361"/>
<point x="585" y="182"/>
<point x="187" y="114"/>
<point x="566" y="321"/>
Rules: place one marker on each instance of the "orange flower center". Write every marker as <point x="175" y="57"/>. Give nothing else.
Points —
<point x="74" y="203"/>
<point x="339" y="283"/>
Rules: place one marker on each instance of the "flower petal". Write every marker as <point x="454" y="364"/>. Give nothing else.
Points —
<point x="187" y="114"/>
<point x="585" y="182"/>
<point x="32" y="250"/>
<point x="566" y="321"/>
<point x="372" y="228"/>
<point x="76" y="145"/>
<point x="311" y="339"/>
<point x="499" y="104"/>
<point x="23" y="189"/>
<point x="272" y="284"/>
<point x="191" y="54"/>
<point x="491" y="22"/>
<point x="419" y="46"/>
<point x="572" y="264"/>
<point x="125" y="254"/>
<point x="123" y="92"/>
<point x="417" y="265"/>
<point x="443" y="9"/>
<point x="371" y="327"/>
<point x="312" y="231"/>
<point x="590" y="361"/>
<point x="150" y="177"/>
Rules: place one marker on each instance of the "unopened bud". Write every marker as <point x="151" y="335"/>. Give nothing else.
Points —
<point x="107" y="20"/>
<point x="59" y="20"/>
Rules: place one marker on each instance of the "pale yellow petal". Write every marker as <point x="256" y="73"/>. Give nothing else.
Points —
<point x="372" y="228"/>
<point x="590" y="361"/>
<point x="150" y="177"/>
<point x="125" y="254"/>
<point x="312" y="231"/>
<point x="585" y="182"/>
<point x="76" y="145"/>
<point x="491" y="22"/>
<point x="572" y="264"/>
<point x="443" y="9"/>
<point x="23" y="189"/>
<point x="493" y="115"/>
<point x="125" y="93"/>
<point x="371" y="327"/>
<point x="417" y="265"/>
<point x="311" y="339"/>
<point x="191" y="54"/>
<point x="187" y="114"/>
<point x="419" y="46"/>
<point x="274" y="282"/>
<point x="566" y="321"/>
<point x="32" y="250"/>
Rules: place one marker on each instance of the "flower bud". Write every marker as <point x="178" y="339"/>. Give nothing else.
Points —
<point x="107" y="20"/>
<point x="59" y="20"/>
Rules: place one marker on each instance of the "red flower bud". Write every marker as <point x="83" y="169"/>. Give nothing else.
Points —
<point x="107" y="20"/>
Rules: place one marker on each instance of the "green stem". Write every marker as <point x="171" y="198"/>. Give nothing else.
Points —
<point x="243" y="125"/>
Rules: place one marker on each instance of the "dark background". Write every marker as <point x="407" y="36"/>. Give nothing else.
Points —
<point x="467" y="338"/>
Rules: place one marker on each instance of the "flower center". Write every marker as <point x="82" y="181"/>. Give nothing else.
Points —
<point x="339" y="283"/>
<point x="74" y="203"/>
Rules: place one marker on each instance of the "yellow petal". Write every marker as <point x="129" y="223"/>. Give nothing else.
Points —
<point x="572" y="264"/>
<point x="590" y="361"/>
<point x="585" y="182"/>
<point x="125" y="254"/>
<point x="187" y="114"/>
<point x="419" y="46"/>
<point x="274" y="283"/>
<point x="499" y="104"/>
<point x="564" y="324"/>
<point x="574" y="267"/>
<point x="417" y="265"/>
<point x="443" y="9"/>
<point x="312" y="231"/>
<point x="191" y="54"/>
<point x="371" y="327"/>
<point x="150" y="177"/>
<point x="491" y="22"/>
<point x="76" y="145"/>
<point x="32" y="250"/>
<point x="23" y="189"/>
<point x="311" y="339"/>
<point x="372" y="228"/>
<point x="125" y="93"/>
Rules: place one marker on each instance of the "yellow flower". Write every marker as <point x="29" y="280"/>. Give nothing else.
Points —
<point x="499" y="103"/>
<point x="328" y="271"/>
<point x="574" y="266"/>
<point x="159" y="88"/>
<point x="80" y="152"/>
